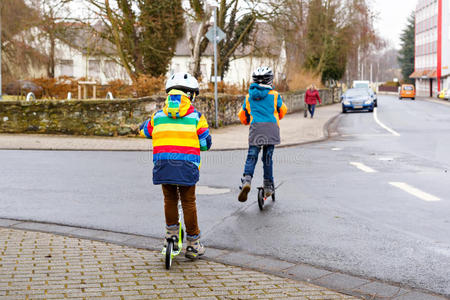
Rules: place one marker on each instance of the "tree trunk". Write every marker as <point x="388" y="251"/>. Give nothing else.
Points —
<point x="196" y="51"/>
<point x="115" y="29"/>
<point x="51" y="58"/>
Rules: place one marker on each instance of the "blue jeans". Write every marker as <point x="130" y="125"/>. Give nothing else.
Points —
<point x="311" y="108"/>
<point x="252" y="159"/>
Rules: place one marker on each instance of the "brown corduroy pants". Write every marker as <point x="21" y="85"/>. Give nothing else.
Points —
<point x="187" y="196"/>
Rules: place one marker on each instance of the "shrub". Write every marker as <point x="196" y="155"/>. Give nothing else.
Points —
<point x="57" y="88"/>
<point x="300" y="79"/>
<point x="148" y="85"/>
<point x="231" y="89"/>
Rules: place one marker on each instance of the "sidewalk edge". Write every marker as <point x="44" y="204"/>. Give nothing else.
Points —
<point x="335" y="280"/>
<point x="285" y="145"/>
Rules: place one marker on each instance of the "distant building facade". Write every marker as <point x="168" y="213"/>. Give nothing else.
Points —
<point x="432" y="47"/>
<point x="79" y="62"/>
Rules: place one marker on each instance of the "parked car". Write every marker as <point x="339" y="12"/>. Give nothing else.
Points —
<point x="357" y="99"/>
<point x="441" y="94"/>
<point x="447" y="95"/>
<point x="358" y="84"/>
<point x="374" y="97"/>
<point x="407" y="91"/>
<point x="23" y="87"/>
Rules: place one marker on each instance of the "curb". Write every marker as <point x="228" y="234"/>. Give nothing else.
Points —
<point x="326" y="136"/>
<point x="364" y="287"/>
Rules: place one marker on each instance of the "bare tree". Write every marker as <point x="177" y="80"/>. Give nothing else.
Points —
<point x="144" y="33"/>
<point x="18" y="57"/>
<point x="53" y="17"/>
<point x="199" y="13"/>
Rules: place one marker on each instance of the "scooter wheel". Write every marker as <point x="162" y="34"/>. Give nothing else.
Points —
<point x="273" y="197"/>
<point x="169" y="250"/>
<point x="261" y="198"/>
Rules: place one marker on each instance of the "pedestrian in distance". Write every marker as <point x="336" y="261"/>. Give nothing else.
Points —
<point x="262" y="110"/>
<point x="311" y="98"/>
<point x="179" y="133"/>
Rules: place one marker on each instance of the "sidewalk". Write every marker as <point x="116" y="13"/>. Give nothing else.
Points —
<point x="295" y="129"/>
<point x="36" y="265"/>
<point x="436" y="100"/>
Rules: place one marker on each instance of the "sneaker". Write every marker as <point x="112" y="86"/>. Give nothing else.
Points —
<point x="194" y="248"/>
<point x="245" y="188"/>
<point x="268" y="188"/>
<point x="172" y="233"/>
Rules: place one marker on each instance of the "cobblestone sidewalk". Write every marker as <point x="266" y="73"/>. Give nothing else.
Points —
<point x="35" y="265"/>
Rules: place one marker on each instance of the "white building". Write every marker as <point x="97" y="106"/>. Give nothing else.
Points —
<point x="244" y="62"/>
<point x="93" y="65"/>
<point x="432" y="47"/>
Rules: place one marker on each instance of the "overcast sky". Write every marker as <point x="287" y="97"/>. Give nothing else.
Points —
<point x="392" y="18"/>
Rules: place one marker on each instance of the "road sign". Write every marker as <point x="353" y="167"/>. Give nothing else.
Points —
<point x="220" y="35"/>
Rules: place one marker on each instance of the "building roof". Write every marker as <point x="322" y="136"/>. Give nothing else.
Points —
<point x="264" y="41"/>
<point x="424" y="74"/>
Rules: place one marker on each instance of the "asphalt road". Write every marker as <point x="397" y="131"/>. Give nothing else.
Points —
<point x="374" y="200"/>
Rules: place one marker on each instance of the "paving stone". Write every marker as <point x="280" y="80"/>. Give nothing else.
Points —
<point x="414" y="295"/>
<point x="270" y="264"/>
<point x="238" y="258"/>
<point x="379" y="289"/>
<point x="305" y="273"/>
<point x="113" y="237"/>
<point x="8" y="222"/>
<point x="212" y="253"/>
<point x="340" y="281"/>
<point x="48" y="266"/>
<point x="44" y="227"/>
<point x="85" y="233"/>
<point x="145" y="243"/>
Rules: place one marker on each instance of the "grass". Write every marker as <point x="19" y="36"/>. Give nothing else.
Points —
<point x="300" y="79"/>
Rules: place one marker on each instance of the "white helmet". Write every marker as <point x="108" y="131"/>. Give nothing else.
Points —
<point x="182" y="81"/>
<point x="263" y="75"/>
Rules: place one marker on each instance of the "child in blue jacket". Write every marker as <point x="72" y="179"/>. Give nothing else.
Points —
<point x="262" y="110"/>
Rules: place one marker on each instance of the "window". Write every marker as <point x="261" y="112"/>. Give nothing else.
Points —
<point x="94" y="69"/>
<point x="110" y="69"/>
<point x="66" y="67"/>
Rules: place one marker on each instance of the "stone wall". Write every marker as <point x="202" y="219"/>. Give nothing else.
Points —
<point x="119" y="117"/>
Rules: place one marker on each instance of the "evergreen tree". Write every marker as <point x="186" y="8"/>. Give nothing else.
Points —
<point x="144" y="32"/>
<point x="162" y="24"/>
<point x="406" y="53"/>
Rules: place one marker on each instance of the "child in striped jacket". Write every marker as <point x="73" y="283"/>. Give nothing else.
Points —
<point x="179" y="133"/>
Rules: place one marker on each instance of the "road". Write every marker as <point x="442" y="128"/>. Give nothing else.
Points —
<point x="373" y="200"/>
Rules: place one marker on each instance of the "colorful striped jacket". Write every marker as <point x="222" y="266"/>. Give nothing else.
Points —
<point x="179" y="133"/>
<point x="263" y="109"/>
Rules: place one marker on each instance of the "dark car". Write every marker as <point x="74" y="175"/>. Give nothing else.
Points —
<point x="357" y="99"/>
<point x="374" y="97"/>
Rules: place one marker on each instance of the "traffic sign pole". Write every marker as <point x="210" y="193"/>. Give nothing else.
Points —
<point x="215" y="67"/>
<point x="1" y="52"/>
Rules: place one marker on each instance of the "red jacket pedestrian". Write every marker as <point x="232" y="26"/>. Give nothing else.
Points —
<point x="312" y="95"/>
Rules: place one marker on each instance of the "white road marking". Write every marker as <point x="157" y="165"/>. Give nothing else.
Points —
<point x="207" y="190"/>
<point x="375" y="116"/>
<point x="386" y="159"/>
<point x="336" y="149"/>
<point x="415" y="192"/>
<point x="363" y="167"/>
